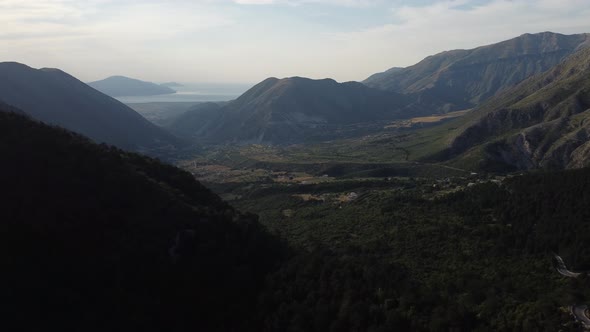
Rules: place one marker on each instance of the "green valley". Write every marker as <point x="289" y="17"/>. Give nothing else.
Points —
<point x="449" y="195"/>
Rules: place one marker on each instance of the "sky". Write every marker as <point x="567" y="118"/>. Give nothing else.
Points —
<point x="246" y="41"/>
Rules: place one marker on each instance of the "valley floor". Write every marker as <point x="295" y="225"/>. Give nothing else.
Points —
<point x="384" y="245"/>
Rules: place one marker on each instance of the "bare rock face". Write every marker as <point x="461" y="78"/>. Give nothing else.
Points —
<point x="580" y="157"/>
<point x="543" y="122"/>
<point x="557" y="144"/>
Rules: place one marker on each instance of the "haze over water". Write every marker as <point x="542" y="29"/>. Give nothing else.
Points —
<point x="197" y="92"/>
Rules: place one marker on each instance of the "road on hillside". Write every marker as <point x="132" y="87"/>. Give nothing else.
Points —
<point x="562" y="269"/>
<point x="579" y="312"/>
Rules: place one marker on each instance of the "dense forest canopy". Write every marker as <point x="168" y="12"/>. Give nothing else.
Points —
<point x="97" y="237"/>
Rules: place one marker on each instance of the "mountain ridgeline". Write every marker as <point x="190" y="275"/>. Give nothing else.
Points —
<point x="120" y="86"/>
<point x="300" y="110"/>
<point x="541" y="123"/>
<point x="461" y="79"/>
<point x="54" y="97"/>
<point x="294" y="110"/>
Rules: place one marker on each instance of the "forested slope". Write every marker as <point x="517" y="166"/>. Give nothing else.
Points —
<point x="94" y="238"/>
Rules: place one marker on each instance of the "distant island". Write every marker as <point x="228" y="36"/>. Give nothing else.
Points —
<point x="120" y="86"/>
<point x="172" y="85"/>
<point x="55" y="97"/>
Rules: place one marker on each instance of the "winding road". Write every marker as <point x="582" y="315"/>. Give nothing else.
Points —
<point x="580" y="312"/>
<point x="562" y="269"/>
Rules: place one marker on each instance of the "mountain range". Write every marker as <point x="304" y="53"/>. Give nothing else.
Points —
<point x="97" y="237"/>
<point x="55" y="97"/>
<point x="528" y="94"/>
<point x="462" y="79"/>
<point x="544" y="122"/>
<point x="296" y="110"/>
<point x="121" y="86"/>
<point x="293" y="110"/>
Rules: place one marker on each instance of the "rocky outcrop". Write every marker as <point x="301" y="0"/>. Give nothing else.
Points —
<point x="541" y="123"/>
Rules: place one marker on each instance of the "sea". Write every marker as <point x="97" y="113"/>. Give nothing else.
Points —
<point x="194" y="92"/>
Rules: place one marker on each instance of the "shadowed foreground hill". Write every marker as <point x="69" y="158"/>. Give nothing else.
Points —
<point x="54" y="97"/>
<point x="464" y="78"/>
<point x="97" y="239"/>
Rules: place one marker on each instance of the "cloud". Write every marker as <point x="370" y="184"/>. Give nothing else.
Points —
<point x="255" y="2"/>
<point x="246" y="40"/>
<point x="418" y="31"/>
<point x="345" y="3"/>
<point x="94" y="36"/>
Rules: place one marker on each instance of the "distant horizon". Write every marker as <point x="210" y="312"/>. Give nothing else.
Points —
<point x="193" y="92"/>
<point x="252" y="83"/>
<point x="184" y="83"/>
<point x="244" y="41"/>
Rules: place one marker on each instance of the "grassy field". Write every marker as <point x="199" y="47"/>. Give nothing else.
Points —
<point x="397" y="153"/>
<point x="427" y="120"/>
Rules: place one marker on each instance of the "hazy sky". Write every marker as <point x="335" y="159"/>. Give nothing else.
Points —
<point x="249" y="40"/>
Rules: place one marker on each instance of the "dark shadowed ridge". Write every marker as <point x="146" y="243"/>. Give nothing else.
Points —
<point x="10" y="109"/>
<point x="197" y="120"/>
<point x="464" y="78"/>
<point x="55" y="97"/>
<point x="97" y="237"/>
<point x="119" y="86"/>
